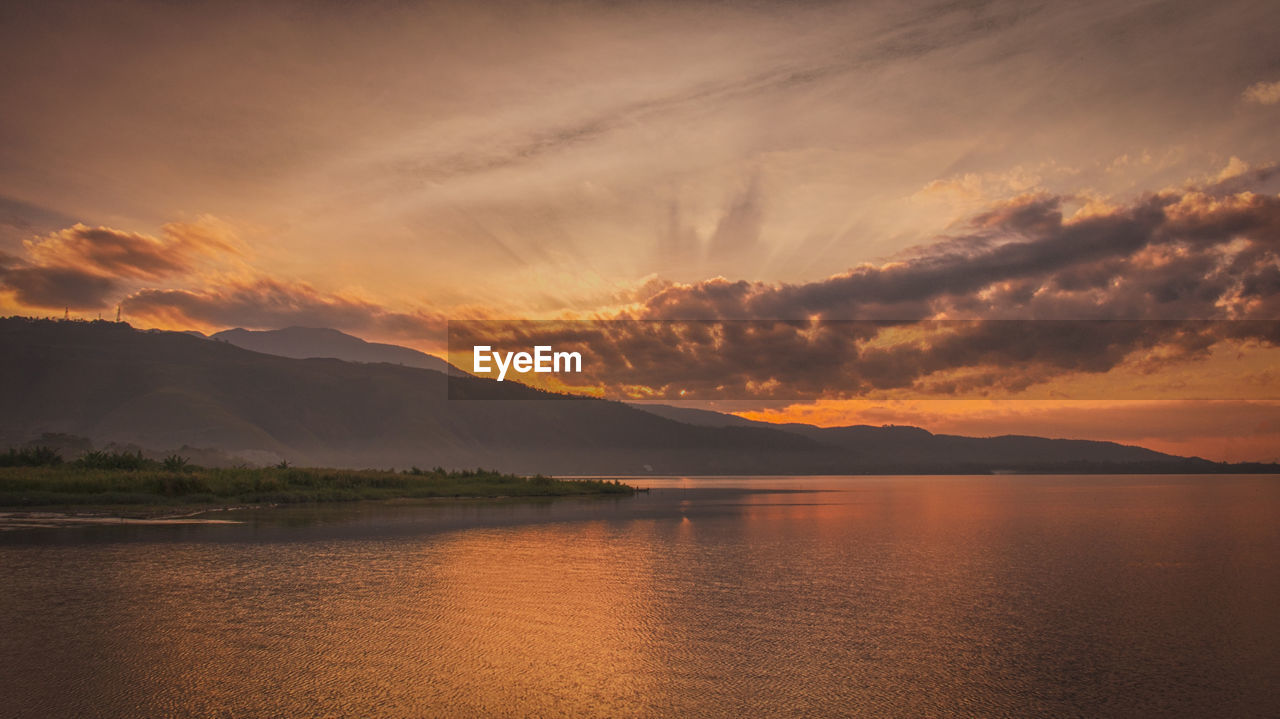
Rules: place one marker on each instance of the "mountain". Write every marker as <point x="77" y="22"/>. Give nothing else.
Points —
<point x="112" y="383"/>
<point x="699" y="417"/>
<point x="160" y="390"/>
<point x="925" y="447"/>
<point x="308" y="342"/>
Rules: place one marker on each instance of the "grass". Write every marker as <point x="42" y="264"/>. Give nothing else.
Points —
<point x="107" y="479"/>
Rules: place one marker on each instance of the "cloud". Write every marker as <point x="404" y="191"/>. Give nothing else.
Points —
<point x="971" y="187"/>
<point x="1263" y="93"/>
<point x="1024" y="297"/>
<point x="774" y="359"/>
<point x="1235" y="168"/>
<point x="82" y="267"/>
<point x="263" y="303"/>
<point x="1025" y="294"/>
<point x="1174" y="255"/>
<point x="57" y="287"/>
<point x="116" y="253"/>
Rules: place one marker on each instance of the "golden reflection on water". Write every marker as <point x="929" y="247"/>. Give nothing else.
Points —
<point x="551" y="619"/>
<point x="910" y="597"/>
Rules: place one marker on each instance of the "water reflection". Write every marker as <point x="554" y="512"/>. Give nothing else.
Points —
<point x="901" y="597"/>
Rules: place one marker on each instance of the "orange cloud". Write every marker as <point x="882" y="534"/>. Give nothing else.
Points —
<point x="86" y="267"/>
<point x="1022" y="259"/>
<point x="262" y="302"/>
<point x="115" y="253"/>
<point x="1263" y="93"/>
<point x="83" y="267"/>
<point x="1135" y="292"/>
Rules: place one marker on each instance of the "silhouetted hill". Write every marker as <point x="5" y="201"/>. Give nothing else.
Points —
<point x="913" y="444"/>
<point x="112" y="383"/>
<point x="699" y="417"/>
<point x="308" y="342"/>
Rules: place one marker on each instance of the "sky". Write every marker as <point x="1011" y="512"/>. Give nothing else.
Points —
<point x="382" y="168"/>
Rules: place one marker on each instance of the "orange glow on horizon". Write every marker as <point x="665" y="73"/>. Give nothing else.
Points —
<point x="1219" y="430"/>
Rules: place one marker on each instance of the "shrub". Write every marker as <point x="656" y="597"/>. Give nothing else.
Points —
<point x="31" y="457"/>
<point x="113" y="460"/>
<point x="175" y="463"/>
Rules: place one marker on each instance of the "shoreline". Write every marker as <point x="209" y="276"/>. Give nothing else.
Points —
<point x="85" y="515"/>
<point x="124" y="488"/>
<point x="11" y="520"/>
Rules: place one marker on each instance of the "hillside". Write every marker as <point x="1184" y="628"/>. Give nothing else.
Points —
<point x="156" y="389"/>
<point x="163" y="390"/>
<point x="308" y="342"/>
<point x="923" y="446"/>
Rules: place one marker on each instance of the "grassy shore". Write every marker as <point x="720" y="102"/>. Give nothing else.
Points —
<point x="72" y="485"/>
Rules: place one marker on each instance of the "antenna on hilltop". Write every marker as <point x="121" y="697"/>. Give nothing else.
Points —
<point x="66" y="313"/>
<point x="117" y="313"/>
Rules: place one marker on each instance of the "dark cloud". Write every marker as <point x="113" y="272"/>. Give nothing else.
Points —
<point x="116" y="253"/>
<point x="774" y="359"/>
<point x="1170" y="255"/>
<point x="82" y="267"/>
<point x="1026" y="296"/>
<point x="57" y="287"/>
<point x="112" y="252"/>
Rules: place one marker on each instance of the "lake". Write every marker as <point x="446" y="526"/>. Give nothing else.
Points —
<point x="817" y="596"/>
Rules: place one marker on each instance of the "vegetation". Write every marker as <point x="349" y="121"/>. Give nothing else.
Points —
<point x="30" y="457"/>
<point x="113" y="460"/>
<point x="36" y="477"/>
<point x="174" y="463"/>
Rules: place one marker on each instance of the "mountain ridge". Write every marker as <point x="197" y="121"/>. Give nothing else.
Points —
<point x="299" y="342"/>
<point x="957" y="447"/>
<point x="157" y="389"/>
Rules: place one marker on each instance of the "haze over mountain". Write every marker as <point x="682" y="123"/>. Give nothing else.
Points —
<point x="164" y="390"/>
<point x="308" y="342"/>
<point x="923" y="446"/>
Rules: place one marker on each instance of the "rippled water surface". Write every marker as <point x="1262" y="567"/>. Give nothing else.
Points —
<point x="906" y="596"/>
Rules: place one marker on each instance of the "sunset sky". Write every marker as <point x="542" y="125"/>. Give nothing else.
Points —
<point x="382" y="168"/>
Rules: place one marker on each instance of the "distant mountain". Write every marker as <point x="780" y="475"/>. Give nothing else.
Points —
<point x="923" y="446"/>
<point x="160" y="390"/>
<point x="699" y="417"/>
<point x="308" y="342"/>
<point x="111" y="383"/>
<point x="891" y="444"/>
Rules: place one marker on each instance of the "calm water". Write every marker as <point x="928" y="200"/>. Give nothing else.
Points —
<point x="907" y="596"/>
